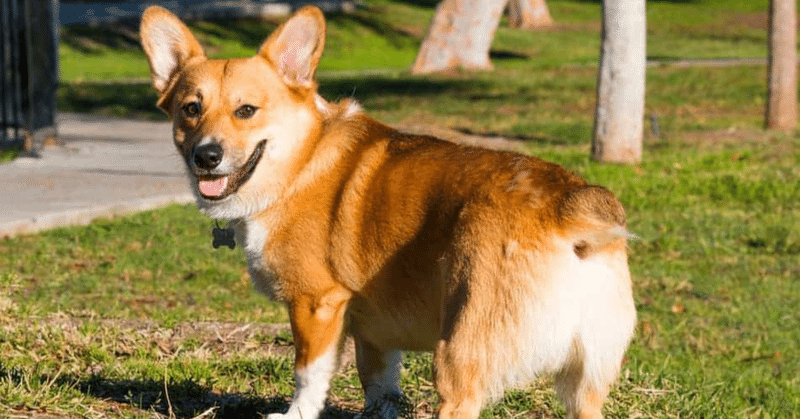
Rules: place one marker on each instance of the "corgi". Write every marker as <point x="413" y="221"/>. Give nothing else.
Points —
<point x="504" y="265"/>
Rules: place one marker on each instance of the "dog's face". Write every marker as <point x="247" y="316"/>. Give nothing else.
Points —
<point x="240" y="124"/>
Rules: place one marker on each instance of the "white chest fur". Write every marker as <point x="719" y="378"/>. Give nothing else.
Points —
<point x="254" y="234"/>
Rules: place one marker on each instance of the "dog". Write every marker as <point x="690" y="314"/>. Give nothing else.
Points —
<point x="504" y="265"/>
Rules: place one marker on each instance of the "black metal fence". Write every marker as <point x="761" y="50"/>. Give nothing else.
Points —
<point x="28" y="71"/>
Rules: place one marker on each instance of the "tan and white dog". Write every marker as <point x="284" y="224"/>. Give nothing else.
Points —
<point x="506" y="266"/>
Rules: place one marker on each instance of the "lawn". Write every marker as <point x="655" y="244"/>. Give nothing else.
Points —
<point x="139" y="317"/>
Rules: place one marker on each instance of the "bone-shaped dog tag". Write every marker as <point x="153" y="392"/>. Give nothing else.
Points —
<point x="223" y="237"/>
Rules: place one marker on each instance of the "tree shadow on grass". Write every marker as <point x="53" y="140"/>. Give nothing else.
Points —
<point x="367" y="88"/>
<point x="184" y="399"/>
<point x="374" y="92"/>
<point x="500" y="55"/>
<point x="138" y="100"/>
<point x="123" y="35"/>
<point x="127" y="100"/>
<point x="521" y="138"/>
<point x="90" y="39"/>
<point x="428" y="4"/>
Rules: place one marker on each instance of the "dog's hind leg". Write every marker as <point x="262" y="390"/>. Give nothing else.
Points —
<point x="582" y="399"/>
<point x="458" y="380"/>
<point x="606" y="325"/>
<point x="459" y="363"/>
<point x="379" y="371"/>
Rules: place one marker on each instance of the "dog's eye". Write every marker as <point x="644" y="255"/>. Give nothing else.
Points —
<point x="245" y="111"/>
<point x="191" y="109"/>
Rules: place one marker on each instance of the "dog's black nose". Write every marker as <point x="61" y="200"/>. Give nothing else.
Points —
<point x="207" y="156"/>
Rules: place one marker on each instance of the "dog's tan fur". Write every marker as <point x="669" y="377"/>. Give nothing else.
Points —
<point x="505" y="265"/>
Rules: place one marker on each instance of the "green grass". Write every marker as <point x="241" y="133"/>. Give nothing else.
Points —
<point x="8" y="154"/>
<point x="90" y="314"/>
<point x="358" y="41"/>
<point x="386" y="35"/>
<point x="139" y="317"/>
<point x="155" y="265"/>
<point x="543" y="87"/>
<point x="555" y="104"/>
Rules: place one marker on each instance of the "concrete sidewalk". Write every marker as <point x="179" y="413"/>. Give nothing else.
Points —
<point x="104" y="167"/>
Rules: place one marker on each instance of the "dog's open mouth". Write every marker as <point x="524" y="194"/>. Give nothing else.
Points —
<point x="216" y="187"/>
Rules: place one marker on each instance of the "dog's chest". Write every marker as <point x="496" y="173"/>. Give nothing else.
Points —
<point x="254" y="234"/>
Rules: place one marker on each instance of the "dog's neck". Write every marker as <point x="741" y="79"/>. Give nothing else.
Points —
<point x="328" y="145"/>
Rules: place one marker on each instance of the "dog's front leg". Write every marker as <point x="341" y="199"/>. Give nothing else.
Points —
<point x="317" y="323"/>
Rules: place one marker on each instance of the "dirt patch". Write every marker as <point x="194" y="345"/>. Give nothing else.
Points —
<point x="771" y="146"/>
<point x="23" y="414"/>
<point x="733" y="136"/>
<point x="196" y="339"/>
<point x="756" y="20"/>
<point x="72" y="340"/>
<point x="587" y="26"/>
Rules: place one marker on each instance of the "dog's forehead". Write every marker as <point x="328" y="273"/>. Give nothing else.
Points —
<point x="236" y="77"/>
<point x="247" y="75"/>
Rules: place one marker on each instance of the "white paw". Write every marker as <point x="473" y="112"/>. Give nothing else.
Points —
<point x="293" y="413"/>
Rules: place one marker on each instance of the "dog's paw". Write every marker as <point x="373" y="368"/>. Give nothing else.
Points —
<point x="390" y="406"/>
<point x="293" y="414"/>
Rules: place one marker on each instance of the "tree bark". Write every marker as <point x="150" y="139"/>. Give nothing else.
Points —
<point x="620" y="86"/>
<point x="781" y="111"/>
<point x="459" y="36"/>
<point x="529" y="14"/>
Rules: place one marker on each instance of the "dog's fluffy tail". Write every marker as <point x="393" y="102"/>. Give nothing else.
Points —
<point x="593" y="218"/>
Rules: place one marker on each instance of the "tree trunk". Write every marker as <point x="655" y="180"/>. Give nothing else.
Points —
<point x="529" y="14"/>
<point x="459" y="36"/>
<point x="782" y="66"/>
<point x="620" y="86"/>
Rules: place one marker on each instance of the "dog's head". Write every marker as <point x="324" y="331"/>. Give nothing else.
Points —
<point x="242" y="125"/>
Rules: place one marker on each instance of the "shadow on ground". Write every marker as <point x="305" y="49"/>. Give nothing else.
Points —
<point x="367" y="88"/>
<point x="375" y="92"/>
<point x="186" y="399"/>
<point x="138" y="100"/>
<point x="125" y="100"/>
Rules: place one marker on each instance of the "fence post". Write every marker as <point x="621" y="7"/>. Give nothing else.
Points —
<point x="28" y="73"/>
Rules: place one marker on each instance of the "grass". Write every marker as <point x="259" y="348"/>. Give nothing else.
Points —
<point x="124" y="269"/>
<point x="387" y="34"/>
<point x="139" y="317"/>
<point x="94" y="317"/>
<point x="543" y="87"/>
<point x="9" y="153"/>
<point x="354" y="42"/>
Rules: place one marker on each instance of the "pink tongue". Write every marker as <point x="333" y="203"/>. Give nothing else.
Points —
<point x="213" y="187"/>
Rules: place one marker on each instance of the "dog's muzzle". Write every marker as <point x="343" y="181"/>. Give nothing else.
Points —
<point x="207" y="157"/>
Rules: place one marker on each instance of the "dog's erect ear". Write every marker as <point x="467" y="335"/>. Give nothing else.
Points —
<point x="168" y="43"/>
<point x="295" y="47"/>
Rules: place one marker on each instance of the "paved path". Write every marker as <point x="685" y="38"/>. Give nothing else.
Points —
<point x="104" y="167"/>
